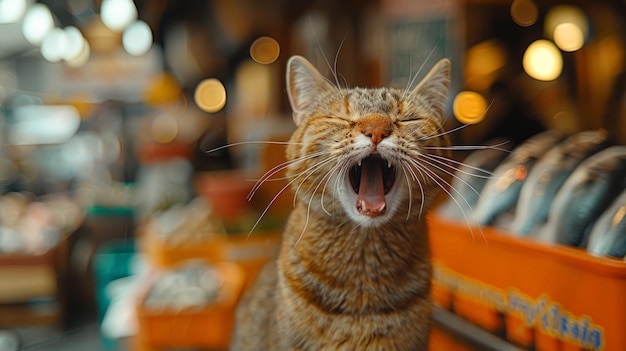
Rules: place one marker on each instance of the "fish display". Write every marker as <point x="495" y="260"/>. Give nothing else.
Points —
<point x="549" y="174"/>
<point x="502" y="189"/>
<point x="584" y="196"/>
<point x="568" y="190"/>
<point x="470" y="178"/>
<point x="608" y="234"/>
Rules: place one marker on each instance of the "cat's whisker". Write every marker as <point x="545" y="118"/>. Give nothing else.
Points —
<point x="408" y="183"/>
<point x="333" y="71"/>
<point x="282" y="190"/>
<point x="438" y="135"/>
<point x="339" y="170"/>
<point x="306" y="223"/>
<point x="414" y="78"/>
<point x="308" y="173"/>
<point x="407" y="87"/>
<point x="482" y="116"/>
<point x="325" y="180"/>
<point x="337" y="59"/>
<point x="308" y="213"/>
<point x="459" y="179"/>
<point x="422" y="191"/>
<point x="470" y="147"/>
<point x="444" y="185"/>
<point x="274" y="179"/>
<point x="407" y="166"/>
<point x="286" y="186"/>
<point x="451" y="163"/>
<point x="265" y="177"/>
<point x="434" y="164"/>
<point x="276" y="169"/>
<point x="252" y="142"/>
<point x="342" y="173"/>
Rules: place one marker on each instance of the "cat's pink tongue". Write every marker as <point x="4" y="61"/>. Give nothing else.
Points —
<point x="370" y="200"/>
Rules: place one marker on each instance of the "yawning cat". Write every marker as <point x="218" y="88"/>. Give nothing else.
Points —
<point x="354" y="269"/>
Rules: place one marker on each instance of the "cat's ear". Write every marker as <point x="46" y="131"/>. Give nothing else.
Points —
<point x="304" y="85"/>
<point x="433" y="89"/>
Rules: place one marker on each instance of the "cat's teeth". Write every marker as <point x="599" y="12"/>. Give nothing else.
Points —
<point x="359" y="163"/>
<point x="388" y="164"/>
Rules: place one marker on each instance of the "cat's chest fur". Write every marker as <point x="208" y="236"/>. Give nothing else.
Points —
<point x="358" y="292"/>
<point x="354" y="289"/>
<point x="354" y="268"/>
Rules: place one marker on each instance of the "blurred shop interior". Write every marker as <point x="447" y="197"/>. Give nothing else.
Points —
<point x="115" y="185"/>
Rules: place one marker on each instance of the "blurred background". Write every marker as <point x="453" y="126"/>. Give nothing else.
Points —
<point x="113" y="114"/>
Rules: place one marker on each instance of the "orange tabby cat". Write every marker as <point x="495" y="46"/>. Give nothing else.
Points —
<point x="354" y="269"/>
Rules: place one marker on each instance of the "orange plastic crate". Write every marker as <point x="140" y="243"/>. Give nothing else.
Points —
<point x="209" y="327"/>
<point x="549" y="297"/>
<point x="250" y="252"/>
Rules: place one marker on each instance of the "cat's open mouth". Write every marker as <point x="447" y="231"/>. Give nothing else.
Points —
<point x="371" y="180"/>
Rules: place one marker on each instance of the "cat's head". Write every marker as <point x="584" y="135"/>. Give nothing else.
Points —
<point x="373" y="155"/>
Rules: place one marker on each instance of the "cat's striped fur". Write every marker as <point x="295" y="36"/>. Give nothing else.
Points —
<point x="354" y="269"/>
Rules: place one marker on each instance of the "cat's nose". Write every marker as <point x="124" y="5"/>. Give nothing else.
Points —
<point x="377" y="134"/>
<point x="376" y="127"/>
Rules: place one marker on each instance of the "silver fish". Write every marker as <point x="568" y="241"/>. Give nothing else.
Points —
<point x="549" y="173"/>
<point x="501" y="191"/>
<point x="608" y="234"/>
<point x="584" y="196"/>
<point x="471" y="176"/>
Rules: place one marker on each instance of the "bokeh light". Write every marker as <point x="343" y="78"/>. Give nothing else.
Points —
<point x="118" y="14"/>
<point x="164" y="129"/>
<point x="37" y="23"/>
<point x="163" y="89"/>
<point x="568" y="37"/>
<point x="524" y="12"/>
<point x="566" y="24"/>
<point x="54" y="45"/>
<point x="12" y="11"/>
<point x="43" y="124"/>
<point x="265" y="50"/>
<point x="75" y="43"/>
<point x="137" y="38"/>
<point x="469" y="107"/>
<point x="82" y="57"/>
<point x="210" y="95"/>
<point x="65" y="44"/>
<point x="542" y="60"/>
<point x="482" y="62"/>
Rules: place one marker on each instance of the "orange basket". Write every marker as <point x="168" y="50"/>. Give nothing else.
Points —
<point x="538" y="295"/>
<point x="250" y="252"/>
<point x="208" y="327"/>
